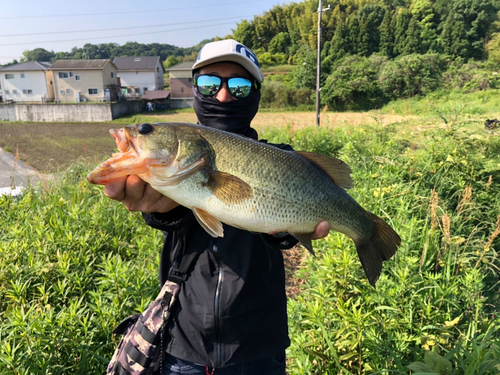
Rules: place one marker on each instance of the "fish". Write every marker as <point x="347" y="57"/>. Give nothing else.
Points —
<point x="228" y="178"/>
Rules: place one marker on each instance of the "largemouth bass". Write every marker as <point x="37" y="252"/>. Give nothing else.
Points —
<point x="226" y="178"/>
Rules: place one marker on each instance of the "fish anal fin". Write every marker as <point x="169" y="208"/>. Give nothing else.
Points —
<point x="381" y="246"/>
<point x="338" y="171"/>
<point x="212" y="225"/>
<point x="306" y="240"/>
<point x="228" y="188"/>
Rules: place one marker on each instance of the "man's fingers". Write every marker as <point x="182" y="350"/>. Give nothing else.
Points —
<point x="134" y="189"/>
<point x="115" y="189"/>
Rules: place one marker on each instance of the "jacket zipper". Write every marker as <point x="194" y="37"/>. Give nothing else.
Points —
<point x="220" y="279"/>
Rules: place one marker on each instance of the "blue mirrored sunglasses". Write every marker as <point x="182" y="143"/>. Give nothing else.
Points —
<point x="209" y="85"/>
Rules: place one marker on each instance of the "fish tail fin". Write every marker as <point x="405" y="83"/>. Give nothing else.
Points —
<point x="381" y="246"/>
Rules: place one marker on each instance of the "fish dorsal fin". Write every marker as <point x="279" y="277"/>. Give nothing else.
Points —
<point x="338" y="171"/>
<point x="212" y="225"/>
<point x="306" y="240"/>
<point x="228" y="188"/>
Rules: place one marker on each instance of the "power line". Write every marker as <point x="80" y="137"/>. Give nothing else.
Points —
<point x="129" y="12"/>
<point x="123" y="28"/>
<point x="115" y="36"/>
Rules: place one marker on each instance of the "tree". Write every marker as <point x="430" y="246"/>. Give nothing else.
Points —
<point x="454" y="37"/>
<point x="38" y="54"/>
<point x="387" y="35"/>
<point x="353" y="37"/>
<point x="413" y="42"/>
<point x="369" y="38"/>
<point x="171" y="60"/>
<point x="402" y="23"/>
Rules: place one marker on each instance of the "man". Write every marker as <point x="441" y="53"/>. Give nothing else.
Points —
<point x="230" y="317"/>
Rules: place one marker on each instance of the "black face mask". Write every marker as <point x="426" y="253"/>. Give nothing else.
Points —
<point x="234" y="117"/>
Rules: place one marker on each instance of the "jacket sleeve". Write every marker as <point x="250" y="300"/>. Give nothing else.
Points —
<point x="168" y="221"/>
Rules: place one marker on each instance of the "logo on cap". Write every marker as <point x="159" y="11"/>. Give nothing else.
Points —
<point x="240" y="48"/>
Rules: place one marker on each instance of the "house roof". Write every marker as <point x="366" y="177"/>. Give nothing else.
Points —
<point x="155" y="94"/>
<point x="186" y="65"/>
<point x="137" y="63"/>
<point x="27" y="66"/>
<point x="80" y="64"/>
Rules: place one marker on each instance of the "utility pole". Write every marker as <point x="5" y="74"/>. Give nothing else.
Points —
<point x="318" y="68"/>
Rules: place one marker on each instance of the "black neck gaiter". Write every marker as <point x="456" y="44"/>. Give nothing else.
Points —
<point x="234" y="117"/>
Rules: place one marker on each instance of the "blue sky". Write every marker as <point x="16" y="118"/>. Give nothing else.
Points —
<point x="59" y="25"/>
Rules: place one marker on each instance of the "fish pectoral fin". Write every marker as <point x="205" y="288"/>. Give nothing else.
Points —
<point x="228" y="188"/>
<point x="173" y="174"/>
<point x="338" y="171"/>
<point x="306" y="240"/>
<point x="212" y="225"/>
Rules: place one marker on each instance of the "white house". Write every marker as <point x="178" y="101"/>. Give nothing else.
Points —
<point x="27" y="82"/>
<point x="139" y="74"/>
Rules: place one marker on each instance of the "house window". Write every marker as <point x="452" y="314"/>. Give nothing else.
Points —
<point x="71" y="74"/>
<point x="9" y="76"/>
<point x="27" y="91"/>
<point x="112" y="75"/>
<point x="68" y="91"/>
<point x="136" y="72"/>
<point x="22" y="75"/>
<point x="145" y="89"/>
<point x="14" y="92"/>
<point x="7" y="92"/>
<point x="30" y="91"/>
<point x="137" y="59"/>
<point x="189" y="79"/>
<point x="129" y="91"/>
<point x="157" y="70"/>
<point x="63" y="75"/>
<point x="92" y="91"/>
<point x="77" y="77"/>
<point x="182" y="89"/>
<point x="61" y="92"/>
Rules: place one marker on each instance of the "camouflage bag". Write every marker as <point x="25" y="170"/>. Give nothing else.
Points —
<point x="140" y="351"/>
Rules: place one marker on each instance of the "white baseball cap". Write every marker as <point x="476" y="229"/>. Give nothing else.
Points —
<point x="229" y="50"/>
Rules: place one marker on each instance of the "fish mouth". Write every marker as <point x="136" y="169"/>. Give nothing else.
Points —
<point x="123" y="163"/>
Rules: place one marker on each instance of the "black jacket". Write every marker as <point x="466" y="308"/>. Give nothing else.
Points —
<point x="232" y="306"/>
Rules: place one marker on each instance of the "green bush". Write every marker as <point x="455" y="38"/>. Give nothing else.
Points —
<point x="412" y="75"/>
<point x="353" y="84"/>
<point x="276" y="94"/>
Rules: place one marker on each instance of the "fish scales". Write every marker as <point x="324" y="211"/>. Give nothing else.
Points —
<point x="267" y="169"/>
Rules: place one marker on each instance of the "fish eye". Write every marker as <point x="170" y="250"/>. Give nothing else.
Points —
<point x="145" y="128"/>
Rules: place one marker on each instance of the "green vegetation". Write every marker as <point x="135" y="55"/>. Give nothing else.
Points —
<point x="73" y="263"/>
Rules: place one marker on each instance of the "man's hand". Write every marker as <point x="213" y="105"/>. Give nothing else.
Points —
<point x="321" y="231"/>
<point x="138" y="195"/>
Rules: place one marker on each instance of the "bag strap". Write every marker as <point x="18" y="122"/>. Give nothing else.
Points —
<point x="182" y="262"/>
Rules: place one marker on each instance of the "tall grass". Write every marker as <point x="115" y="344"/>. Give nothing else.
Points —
<point x="73" y="264"/>
<point x="436" y="306"/>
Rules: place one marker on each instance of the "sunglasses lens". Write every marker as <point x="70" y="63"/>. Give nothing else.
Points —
<point x="208" y="85"/>
<point x="239" y="87"/>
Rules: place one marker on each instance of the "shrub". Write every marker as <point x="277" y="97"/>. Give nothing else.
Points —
<point x="353" y="84"/>
<point x="412" y="75"/>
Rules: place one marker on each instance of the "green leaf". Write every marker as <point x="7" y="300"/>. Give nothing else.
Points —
<point x="437" y="363"/>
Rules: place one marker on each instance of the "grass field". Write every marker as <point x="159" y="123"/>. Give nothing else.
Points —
<point x="73" y="263"/>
